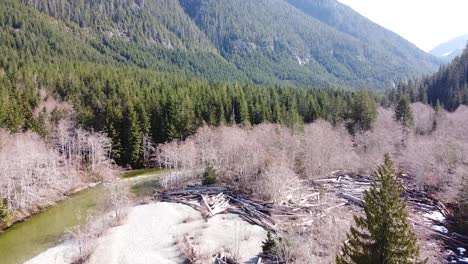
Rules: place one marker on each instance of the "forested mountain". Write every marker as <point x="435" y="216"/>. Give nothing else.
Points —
<point x="400" y="55"/>
<point x="302" y="43"/>
<point x="450" y="49"/>
<point x="29" y="36"/>
<point x="450" y="84"/>
<point x="448" y="87"/>
<point x="312" y="49"/>
<point x="135" y="88"/>
<point x="157" y="69"/>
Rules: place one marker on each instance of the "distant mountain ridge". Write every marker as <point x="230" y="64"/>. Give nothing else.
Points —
<point x="451" y="49"/>
<point x="290" y="42"/>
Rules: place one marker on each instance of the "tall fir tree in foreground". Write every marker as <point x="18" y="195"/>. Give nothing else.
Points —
<point x="383" y="235"/>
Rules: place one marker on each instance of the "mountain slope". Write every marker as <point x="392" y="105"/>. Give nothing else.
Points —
<point x="450" y="49"/>
<point x="345" y="19"/>
<point x="263" y="41"/>
<point x="160" y="22"/>
<point x="27" y="34"/>
<point x="450" y="84"/>
<point x="30" y="36"/>
<point x="358" y="58"/>
<point x="447" y="87"/>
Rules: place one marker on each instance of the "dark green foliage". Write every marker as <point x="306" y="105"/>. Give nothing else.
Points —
<point x="5" y="217"/>
<point x="131" y="136"/>
<point x="128" y="103"/>
<point x="383" y="235"/>
<point x="163" y="22"/>
<point x="447" y="87"/>
<point x="17" y="105"/>
<point x="272" y="43"/>
<point x="209" y="176"/>
<point x="28" y="36"/>
<point x="461" y="212"/>
<point x="404" y="113"/>
<point x="273" y="40"/>
<point x="75" y="59"/>
<point x="363" y="112"/>
<point x="450" y="84"/>
<point x="269" y="246"/>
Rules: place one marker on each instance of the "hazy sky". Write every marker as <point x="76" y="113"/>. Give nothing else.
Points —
<point x="426" y="23"/>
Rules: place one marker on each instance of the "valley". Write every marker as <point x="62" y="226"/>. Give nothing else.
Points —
<point x="227" y="131"/>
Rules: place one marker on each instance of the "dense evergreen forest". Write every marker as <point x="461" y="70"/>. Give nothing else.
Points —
<point x="105" y="79"/>
<point x="263" y="42"/>
<point x="448" y="87"/>
<point x="135" y="91"/>
<point x="27" y="36"/>
<point x="131" y="104"/>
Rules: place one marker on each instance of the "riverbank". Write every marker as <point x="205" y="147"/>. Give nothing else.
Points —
<point x="157" y="232"/>
<point x="23" y="215"/>
<point x="47" y="228"/>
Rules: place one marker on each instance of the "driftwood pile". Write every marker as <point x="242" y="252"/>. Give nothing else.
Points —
<point x="223" y="259"/>
<point x="307" y="207"/>
<point x="212" y="200"/>
<point x="352" y="187"/>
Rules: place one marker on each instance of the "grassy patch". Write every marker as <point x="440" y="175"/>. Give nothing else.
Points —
<point x="135" y="173"/>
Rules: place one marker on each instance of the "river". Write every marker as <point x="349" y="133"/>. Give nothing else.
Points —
<point x="24" y="240"/>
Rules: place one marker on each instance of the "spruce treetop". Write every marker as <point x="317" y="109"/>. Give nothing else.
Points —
<point x="383" y="234"/>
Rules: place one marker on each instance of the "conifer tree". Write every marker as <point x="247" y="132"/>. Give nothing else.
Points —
<point x="5" y="218"/>
<point x="269" y="246"/>
<point x="112" y="129"/>
<point x="383" y="235"/>
<point x="363" y="112"/>
<point x="131" y="136"/>
<point x="276" y="109"/>
<point x="404" y="113"/>
<point x="243" y="111"/>
<point x="461" y="215"/>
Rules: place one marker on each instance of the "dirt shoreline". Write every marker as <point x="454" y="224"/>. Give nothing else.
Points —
<point x="22" y="216"/>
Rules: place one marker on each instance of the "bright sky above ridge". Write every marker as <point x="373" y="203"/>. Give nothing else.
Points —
<point x="426" y="23"/>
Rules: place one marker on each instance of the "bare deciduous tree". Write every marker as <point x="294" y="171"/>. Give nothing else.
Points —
<point x="423" y="118"/>
<point x="30" y="171"/>
<point x="385" y="137"/>
<point x="34" y="172"/>
<point x="327" y="148"/>
<point x="263" y="157"/>
<point x="117" y="199"/>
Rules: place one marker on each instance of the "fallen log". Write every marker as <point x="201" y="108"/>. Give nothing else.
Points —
<point x="352" y="198"/>
<point x="207" y="206"/>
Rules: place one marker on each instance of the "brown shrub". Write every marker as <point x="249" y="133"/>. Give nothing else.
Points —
<point x="326" y="149"/>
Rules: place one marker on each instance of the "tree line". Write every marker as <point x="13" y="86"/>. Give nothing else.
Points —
<point x="448" y="87"/>
<point x="132" y="105"/>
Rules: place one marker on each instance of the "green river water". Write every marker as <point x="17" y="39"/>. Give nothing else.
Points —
<point x="45" y="230"/>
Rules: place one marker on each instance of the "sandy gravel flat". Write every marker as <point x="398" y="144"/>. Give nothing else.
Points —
<point x="152" y="234"/>
<point x="60" y="254"/>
